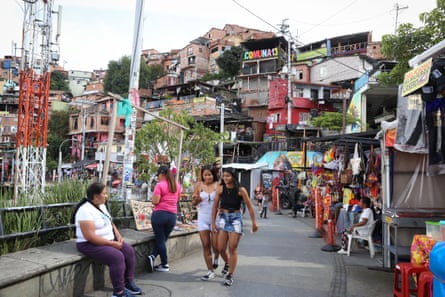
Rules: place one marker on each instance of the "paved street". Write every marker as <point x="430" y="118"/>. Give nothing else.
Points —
<point x="280" y="260"/>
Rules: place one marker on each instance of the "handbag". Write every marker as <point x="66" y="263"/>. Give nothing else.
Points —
<point x="356" y="161"/>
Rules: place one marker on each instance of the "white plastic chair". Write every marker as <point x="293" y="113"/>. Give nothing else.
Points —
<point x="367" y="237"/>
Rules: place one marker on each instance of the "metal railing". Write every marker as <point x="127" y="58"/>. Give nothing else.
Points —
<point x="42" y="212"/>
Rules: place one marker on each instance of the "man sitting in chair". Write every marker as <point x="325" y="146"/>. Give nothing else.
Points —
<point x="362" y="227"/>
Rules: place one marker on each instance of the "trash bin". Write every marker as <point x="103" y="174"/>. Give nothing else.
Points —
<point x="437" y="258"/>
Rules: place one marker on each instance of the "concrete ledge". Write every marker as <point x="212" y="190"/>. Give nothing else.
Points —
<point x="60" y="270"/>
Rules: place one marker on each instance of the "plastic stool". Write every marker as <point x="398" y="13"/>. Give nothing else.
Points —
<point x="425" y="284"/>
<point x="405" y="272"/>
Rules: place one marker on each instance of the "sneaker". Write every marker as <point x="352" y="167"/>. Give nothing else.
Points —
<point x="228" y="281"/>
<point x="132" y="288"/>
<point x="342" y="252"/>
<point x="215" y="263"/>
<point x="210" y="275"/>
<point x="162" y="268"/>
<point x="225" y="270"/>
<point x="151" y="263"/>
<point x="125" y="293"/>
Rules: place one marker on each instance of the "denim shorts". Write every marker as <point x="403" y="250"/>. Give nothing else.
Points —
<point x="231" y="222"/>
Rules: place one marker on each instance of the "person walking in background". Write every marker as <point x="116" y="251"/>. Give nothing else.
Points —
<point x="98" y="238"/>
<point x="229" y="223"/>
<point x="264" y="206"/>
<point x="165" y="199"/>
<point x="204" y="197"/>
<point x="259" y="196"/>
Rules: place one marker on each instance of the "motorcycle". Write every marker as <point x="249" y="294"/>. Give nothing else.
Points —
<point x="284" y="192"/>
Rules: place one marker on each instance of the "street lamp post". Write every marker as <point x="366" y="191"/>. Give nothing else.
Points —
<point x="59" y="167"/>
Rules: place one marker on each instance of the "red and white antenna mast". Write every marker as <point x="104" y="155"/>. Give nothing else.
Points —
<point x="32" y="122"/>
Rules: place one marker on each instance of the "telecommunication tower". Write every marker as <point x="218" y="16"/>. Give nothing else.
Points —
<point x="32" y="123"/>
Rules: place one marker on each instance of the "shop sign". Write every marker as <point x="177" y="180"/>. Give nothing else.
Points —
<point x="261" y="53"/>
<point x="416" y="78"/>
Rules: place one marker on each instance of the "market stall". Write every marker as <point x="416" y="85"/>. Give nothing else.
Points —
<point x="413" y="169"/>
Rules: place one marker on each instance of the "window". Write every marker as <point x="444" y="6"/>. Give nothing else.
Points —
<point x="304" y="117"/>
<point x="299" y="75"/>
<point x="75" y="123"/>
<point x="191" y="60"/>
<point x="268" y="66"/>
<point x="314" y="94"/>
<point x="104" y="121"/>
<point x="250" y="68"/>
<point x="189" y="51"/>
<point x="214" y="50"/>
<point x="298" y="92"/>
<point x="91" y="122"/>
<point x="326" y="94"/>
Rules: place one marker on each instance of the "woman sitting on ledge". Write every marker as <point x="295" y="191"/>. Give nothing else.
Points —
<point x="98" y="238"/>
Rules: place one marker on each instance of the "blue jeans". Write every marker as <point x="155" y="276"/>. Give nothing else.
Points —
<point x="162" y="223"/>
<point x="231" y="222"/>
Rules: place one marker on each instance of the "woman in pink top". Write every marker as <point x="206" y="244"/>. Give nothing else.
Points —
<point x="163" y="219"/>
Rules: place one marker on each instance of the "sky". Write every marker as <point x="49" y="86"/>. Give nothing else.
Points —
<point x="94" y="32"/>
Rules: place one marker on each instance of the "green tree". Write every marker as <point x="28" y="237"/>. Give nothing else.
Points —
<point x="332" y="121"/>
<point x="230" y="62"/>
<point x="58" y="81"/>
<point x="160" y="138"/>
<point x="411" y="41"/>
<point x="117" y="79"/>
<point x="58" y="128"/>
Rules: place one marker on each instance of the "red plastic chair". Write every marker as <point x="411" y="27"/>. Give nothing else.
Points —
<point x="424" y="287"/>
<point x="406" y="276"/>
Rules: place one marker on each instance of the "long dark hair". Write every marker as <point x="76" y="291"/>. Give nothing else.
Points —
<point x="232" y="172"/>
<point x="169" y="176"/>
<point x="209" y="168"/>
<point x="93" y="189"/>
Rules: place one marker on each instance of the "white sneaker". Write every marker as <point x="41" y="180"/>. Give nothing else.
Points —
<point x="342" y="252"/>
<point x="162" y="268"/>
<point x="210" y="275"/>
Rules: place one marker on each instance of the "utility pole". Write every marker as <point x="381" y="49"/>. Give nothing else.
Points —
<point x="398" y="8"/>
<point x="284" y="29"/>
<point x="133" y="96"/>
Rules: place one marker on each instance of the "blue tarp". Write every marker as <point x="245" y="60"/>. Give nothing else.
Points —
<point x="283" y="160"/>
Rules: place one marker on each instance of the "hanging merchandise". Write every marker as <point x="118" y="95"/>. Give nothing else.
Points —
<point x="317" y="165"/>
<point x="356" y="162"/>
<point x="372" y="169"/>
<point x="435" y="111"/>
<point x="329" y="155"/>
<point x="410" y="135"/>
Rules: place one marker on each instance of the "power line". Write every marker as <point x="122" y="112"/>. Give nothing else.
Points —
<point x="286" y="27"/>
<point x="263" y="20"/>
<point x="330" y="17"/>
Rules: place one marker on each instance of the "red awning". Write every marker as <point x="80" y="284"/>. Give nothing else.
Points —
<point x="91" y="166"/>
<point x="116" y="182"/>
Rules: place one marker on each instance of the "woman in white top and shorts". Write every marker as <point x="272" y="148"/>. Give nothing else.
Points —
<point x="203" y="197"/>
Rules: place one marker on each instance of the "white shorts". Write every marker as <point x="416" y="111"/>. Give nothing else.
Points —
<point x="204" y="221"/>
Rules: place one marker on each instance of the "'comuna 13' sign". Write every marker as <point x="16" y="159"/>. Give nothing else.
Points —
<point x="261" y="53"/>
